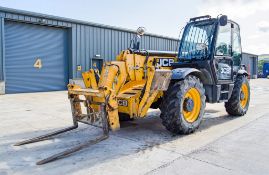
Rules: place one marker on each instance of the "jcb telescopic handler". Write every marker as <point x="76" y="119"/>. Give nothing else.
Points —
<point x="206" y="68"/>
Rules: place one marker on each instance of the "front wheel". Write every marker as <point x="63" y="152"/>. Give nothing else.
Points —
<point x="238" y="103"/>
<point x="183" y="105"/>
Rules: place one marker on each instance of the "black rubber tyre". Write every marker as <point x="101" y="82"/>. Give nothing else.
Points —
<point x="124" y="117"/>
<point x="157" y="104"/>
<point x="233" y="106"/>
<point x="172" y="106"/>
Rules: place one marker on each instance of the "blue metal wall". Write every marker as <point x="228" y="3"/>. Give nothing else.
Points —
<point x="2" y="49"/>
<point x="24" y="45"/>
<point x="85" y="40"/>
<point x="88" y="41"/>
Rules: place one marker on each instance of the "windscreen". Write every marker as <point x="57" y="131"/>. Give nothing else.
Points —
<point x="196" y="41"/>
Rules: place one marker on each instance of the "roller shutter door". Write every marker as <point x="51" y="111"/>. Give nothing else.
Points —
<point x="36" y="58"/>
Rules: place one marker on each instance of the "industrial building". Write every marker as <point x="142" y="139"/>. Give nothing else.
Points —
<point x="43" y="53"/>
<point x="251" y="63"/>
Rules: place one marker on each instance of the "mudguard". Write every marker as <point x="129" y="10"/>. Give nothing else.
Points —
<point x="181" y="73"/>
<point x="242" y="72"/>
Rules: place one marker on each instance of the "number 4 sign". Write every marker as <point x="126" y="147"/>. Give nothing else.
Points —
<point x="38" y="63"/>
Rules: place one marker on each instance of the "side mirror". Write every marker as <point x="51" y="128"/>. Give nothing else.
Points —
<point x="223" y="20"/>
<point x="141" y="31"/>
<point x="201" y="46"/>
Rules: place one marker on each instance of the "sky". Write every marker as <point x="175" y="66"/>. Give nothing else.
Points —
<point x="162" y="17"/>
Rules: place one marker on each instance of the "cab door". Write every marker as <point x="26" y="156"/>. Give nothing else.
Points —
<point x="236" y="47"/>
<point x="223" y="61"/>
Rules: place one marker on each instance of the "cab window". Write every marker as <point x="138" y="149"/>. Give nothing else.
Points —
<point x="224" y="44"/>
<point x="236" y="50"/>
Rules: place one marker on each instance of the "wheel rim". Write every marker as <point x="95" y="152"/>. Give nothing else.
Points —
<point x="191" y="105"/>
<point x="244" y="95"/>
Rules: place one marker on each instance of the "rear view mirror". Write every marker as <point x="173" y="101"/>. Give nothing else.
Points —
<point x="201" y="46"/>
<point x="141" y="31"/>
<point x="223" y="20"/>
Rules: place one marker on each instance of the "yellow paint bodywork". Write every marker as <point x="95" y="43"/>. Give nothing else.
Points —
<point x="245" y="91"/>
<point x="89" y="79"/>
<point x="125" y="85"/>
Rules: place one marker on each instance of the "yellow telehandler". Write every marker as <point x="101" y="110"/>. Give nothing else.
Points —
<point x="206" y="68"/>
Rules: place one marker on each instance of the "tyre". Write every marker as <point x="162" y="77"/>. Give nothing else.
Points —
<point x="156" y="104"/>
<point x="125" y="117"/>
<point x="183" y="105"/>
<point x="238" y="103"/>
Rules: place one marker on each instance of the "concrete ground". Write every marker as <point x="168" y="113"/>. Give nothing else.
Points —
<point x="222" y="145"/>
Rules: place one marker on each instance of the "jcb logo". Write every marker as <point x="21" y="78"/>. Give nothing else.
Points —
<point x="123" y="103"/>
<point x="165" y="62"/>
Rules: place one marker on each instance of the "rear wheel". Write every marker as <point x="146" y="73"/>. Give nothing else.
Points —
<point x="183" y="106"/>
<point x="238" y="103"/>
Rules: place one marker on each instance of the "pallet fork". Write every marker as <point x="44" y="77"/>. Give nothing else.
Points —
<point x="97" y="119"/>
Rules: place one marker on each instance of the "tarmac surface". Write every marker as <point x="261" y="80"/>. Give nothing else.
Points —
<point x="222" y="145"/>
